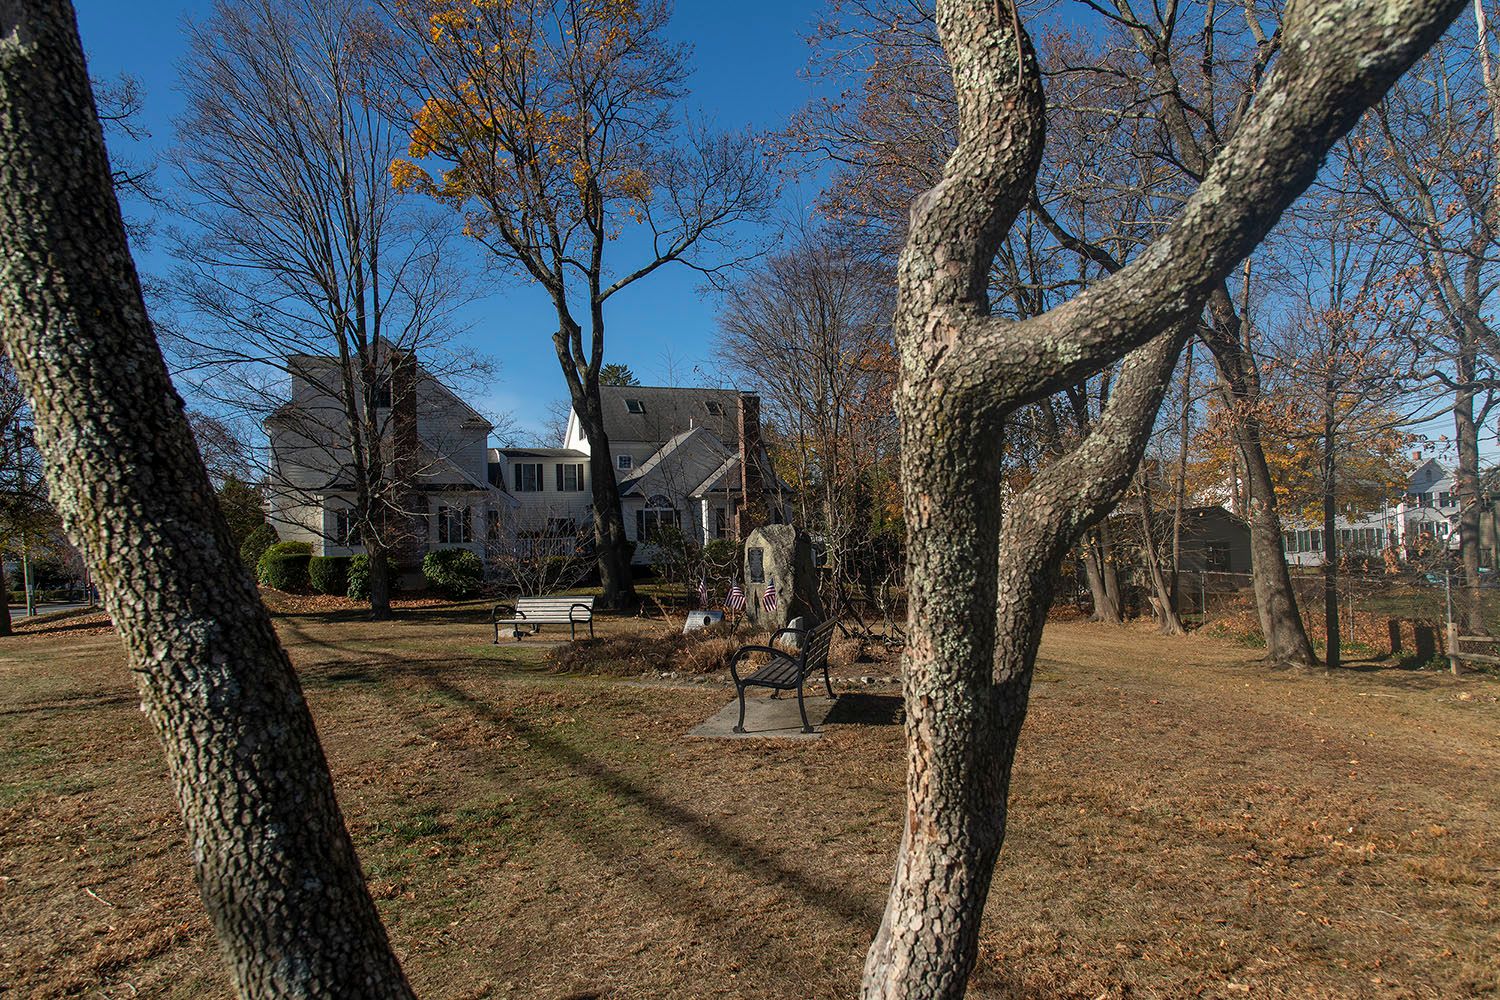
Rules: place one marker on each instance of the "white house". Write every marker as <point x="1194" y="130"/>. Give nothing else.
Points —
<point x="680" y="457"/>
<point x="433" y="442"/>
<point x="1427" y="507"/>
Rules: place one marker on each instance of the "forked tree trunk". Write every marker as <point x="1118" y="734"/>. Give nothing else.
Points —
<point x="1103" y="579"/>
<point x="1162" y="600"/>
<point x="979" y="591"/>
<point x="275" y="865"/>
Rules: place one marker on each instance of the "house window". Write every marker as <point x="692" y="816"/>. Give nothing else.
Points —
<point x="528" y="477"/>
<point x="657" y="513"/>
<point x="492" y="525"/>
<point x="721" y="523"/>
<point x="343" y="526"/>
<point x="1317" y="540"/>
<point x="455" y="527"/>
<point x="569" y="477"/>
<point x="383" y="392"/>
<point x="1288" y="543"/>
<point x="1218" y="557"/>
<point x="1445" y="499"/>
<point x="624" y="462"/>
<point x="635" y="406"/>
<point x="715" y="409"/>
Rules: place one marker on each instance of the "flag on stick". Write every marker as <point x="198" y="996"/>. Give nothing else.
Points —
<point x="736" y="600"/>
<point x="769" y="600"/>
<point x="702" y="592"/>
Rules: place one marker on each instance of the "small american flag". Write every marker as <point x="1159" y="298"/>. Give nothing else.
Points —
<point x="769" y="600"/>
<point x="702" y="592"/>
<point x="736" y="600"/>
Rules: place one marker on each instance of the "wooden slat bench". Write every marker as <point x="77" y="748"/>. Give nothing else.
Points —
<point x="784" y="671"/>
<point x="534" y="612"/>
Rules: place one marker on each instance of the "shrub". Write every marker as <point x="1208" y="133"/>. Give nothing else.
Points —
<point x="283" y="566"/>
<point x="329" y="574"/>
<point x="358" y="577"/>
<point x="256" y="543"/>
<point x="453" y="572"/>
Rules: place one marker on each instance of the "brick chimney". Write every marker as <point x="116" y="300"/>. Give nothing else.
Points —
<point x="752" y="512"/>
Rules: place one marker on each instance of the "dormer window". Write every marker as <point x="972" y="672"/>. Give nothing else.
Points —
<point x="624" y="462"/>
<point x="715" y="409"/>
<point x="635" y="406"/>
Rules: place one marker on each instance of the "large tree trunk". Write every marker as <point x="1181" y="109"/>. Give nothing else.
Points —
<point x="1330" y="535"/>
<point x="275" y="865"/>
<point x="979" y="591"/>
<point x="1275" y="600"/>
<point x="1466" y="431"/>
<point x="380" y="579"/>
<point x="5" y="625"/>
<point x="612" y="547"/>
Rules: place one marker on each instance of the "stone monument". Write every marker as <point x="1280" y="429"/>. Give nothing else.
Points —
<point x="782" y="553"/>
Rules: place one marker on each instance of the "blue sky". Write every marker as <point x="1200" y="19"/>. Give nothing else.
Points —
<point x="750" y="64"/>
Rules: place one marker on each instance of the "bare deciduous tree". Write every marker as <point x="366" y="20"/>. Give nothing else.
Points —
<point x="558" y="128"/>
<point x="809" y="331"/>
<point x="299" y="246"/>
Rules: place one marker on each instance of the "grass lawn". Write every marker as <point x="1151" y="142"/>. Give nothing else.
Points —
<point x="1184" y="823"/>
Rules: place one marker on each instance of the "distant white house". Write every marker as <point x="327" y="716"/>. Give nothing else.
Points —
<point x="431" y="440"/>
<point x="1428" y="507"/>
<point x="680" y="457"/>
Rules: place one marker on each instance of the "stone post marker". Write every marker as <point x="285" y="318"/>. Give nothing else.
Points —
<point x="782" y="553"/>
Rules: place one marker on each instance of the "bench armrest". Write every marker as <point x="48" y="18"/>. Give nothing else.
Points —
<point x="587" y="609"/>
<point x="514" y="612"/>
<point x="740" y="654"/>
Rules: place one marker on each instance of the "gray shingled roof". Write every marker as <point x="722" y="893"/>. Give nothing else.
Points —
<point x="669" y="412"/>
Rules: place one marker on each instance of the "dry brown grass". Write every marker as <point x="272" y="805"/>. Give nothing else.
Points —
<point x="1184" y="823"/>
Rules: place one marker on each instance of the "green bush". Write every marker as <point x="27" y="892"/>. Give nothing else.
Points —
<point x="283" y="566"/>
<point x="359" y="578"/>
<point x="329" y="574"/>
<point x="453" y="572"/>
<point x="255" y="544"/>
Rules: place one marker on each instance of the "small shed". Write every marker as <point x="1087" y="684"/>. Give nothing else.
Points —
<point x="1213" y="541"/>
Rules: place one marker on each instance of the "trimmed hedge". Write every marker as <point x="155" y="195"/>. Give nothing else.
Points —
<point x="329" y="574"/>
<point x="453" y="572"/>
<point x="255" y="544"/>
<point x="358" y="577"/>
<point x="283" y="566"/>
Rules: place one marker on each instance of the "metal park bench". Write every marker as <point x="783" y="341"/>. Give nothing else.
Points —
<point x="534" y="612"/>
<point x="786" y="671"/>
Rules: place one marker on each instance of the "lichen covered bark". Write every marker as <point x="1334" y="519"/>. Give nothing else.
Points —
<point x="276" y="868"/>
<point x="981" y="572"/>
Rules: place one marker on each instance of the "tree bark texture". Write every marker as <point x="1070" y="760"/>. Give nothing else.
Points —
<point x="275" y="866"/>
<point x="1103" y="580"/>
<point x="1330" y="532"/>
<point x="1275" y="600"/>
<point x="612" y="547"/>
<point x="1466" y="432"/>
<point x="981" y="575"/>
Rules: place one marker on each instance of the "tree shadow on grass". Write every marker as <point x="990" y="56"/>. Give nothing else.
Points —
<point x="717" y="905"/>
